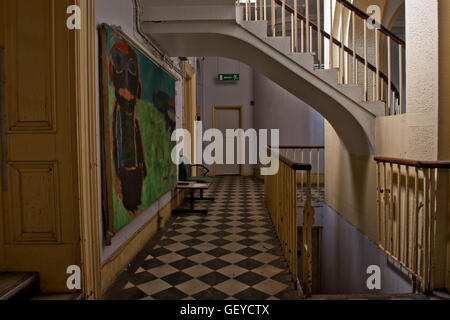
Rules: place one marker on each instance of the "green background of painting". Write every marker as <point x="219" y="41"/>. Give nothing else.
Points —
<point x="156" y="137"/>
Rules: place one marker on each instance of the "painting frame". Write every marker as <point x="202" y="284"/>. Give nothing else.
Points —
<point x="107" y="176"/>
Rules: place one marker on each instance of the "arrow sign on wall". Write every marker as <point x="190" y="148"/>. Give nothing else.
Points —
<point x="229" y="77"/>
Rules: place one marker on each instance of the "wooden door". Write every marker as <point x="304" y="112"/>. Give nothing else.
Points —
<point x="228" y="118"/>
<point x="39" y="214"/>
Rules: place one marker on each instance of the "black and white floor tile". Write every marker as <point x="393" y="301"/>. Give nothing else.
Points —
<point x="317" y="195"/>
<point x="230" y="254"/>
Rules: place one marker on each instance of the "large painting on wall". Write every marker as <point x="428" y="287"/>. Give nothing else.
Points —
<point x="138" y="118"/>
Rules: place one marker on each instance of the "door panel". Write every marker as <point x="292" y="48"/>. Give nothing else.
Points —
<point x="39" y="211"/>
<point x="228" y="118"/>
<point x="3" y="129"/>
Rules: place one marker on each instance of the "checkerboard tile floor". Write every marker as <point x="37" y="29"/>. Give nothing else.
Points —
<point x="230" y="254"/>
<point x="317" y="196"/>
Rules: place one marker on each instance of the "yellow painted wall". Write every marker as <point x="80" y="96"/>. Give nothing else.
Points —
<point x="112" y="268"/>
<point x="350" y="184"/>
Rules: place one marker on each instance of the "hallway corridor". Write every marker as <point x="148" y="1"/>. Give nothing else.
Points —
<point x="232" y="253"/>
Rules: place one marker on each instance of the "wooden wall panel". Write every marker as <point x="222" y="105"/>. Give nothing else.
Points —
<point x="35" y="201"/>
<point x="32" y="72"/>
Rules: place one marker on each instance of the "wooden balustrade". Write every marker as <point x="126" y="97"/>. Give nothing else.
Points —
<point x="306" y="154"/>
<point x="378" y="84"/>
<point x="409" y="215"/>
<point x="281" y="201"/>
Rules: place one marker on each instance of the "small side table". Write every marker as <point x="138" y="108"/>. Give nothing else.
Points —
<point x="192" y="187"/>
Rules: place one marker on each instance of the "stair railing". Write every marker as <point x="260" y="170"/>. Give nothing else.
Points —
<point x="312" y="155"/>
<point x="281" y="200"/>
<point x="412" y="216"/>
<point x="354" y="67"/>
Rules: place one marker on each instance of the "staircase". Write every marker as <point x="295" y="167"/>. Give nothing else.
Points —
<point x="18" y="286"/>
<point x="25" y="286"/>
<point x="374" y="296"/>
<point x="229" y="29"/>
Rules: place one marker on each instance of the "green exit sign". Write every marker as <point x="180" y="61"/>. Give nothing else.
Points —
<point x="229" y="77"/>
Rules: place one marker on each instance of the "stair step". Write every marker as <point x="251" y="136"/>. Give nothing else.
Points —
<point x="258" y="28"/>
<point x="373" y="296"/>
<point x="18" y="285"/>
<point x="304" y="59"/>
<point x="58" y="297"/>
<point x="375" y="107"/>
<point x="282" y="44"/>
<point x="328" y="75"/>
<point x="354" y="91"/>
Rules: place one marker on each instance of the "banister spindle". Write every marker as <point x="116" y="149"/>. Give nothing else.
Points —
<point x="377" y="67"/>
<point x="292" y="34"/>
<point x="391" y="209"/>
<point x="355" y="63"/>
<point x="426" y="228"/>
<point x="431" y="258"/>
<point x="379" y="204"/>
<point x="415" y="222"/>
<point x="283" y="18"/>
<point x="389" y="87"/>
<point x="407" y="221"/>
<point x="265" y="10"/>
<point x="400" y="74"/>
<point x="365" y="62"/>
<point x="341" y="52"/>
<point x="247" y="10"/>
<point x="261" y="10"/>
<point x="256" y="10"/>
<point x="331" y="44"/>
<point x="302" y="35"/>
<point x="274" y="13"/>
<point x="319" y="35"/>
<point x="295" y="25"/>
<point x="386" y="203"/>
<point x="308" y="35"/>
<point x="318" y="172"/>
<point x="399" y="206"/>
<point x="302" y="175"/>
<point x="374" y="89"/>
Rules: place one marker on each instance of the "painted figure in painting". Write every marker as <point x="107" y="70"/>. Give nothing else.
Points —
<point x="127" y="147"/>
<point x="166" y="107"/>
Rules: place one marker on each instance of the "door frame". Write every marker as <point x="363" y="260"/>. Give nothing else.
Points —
<point x="190" y="106"/>
<point x="241" y="125"/>
<point x="87" y="114"/>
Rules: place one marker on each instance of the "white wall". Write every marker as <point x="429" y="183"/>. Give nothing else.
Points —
<point x="422" y="77"/>
<point x="121" y="13"/>
<point x="276" y="108"/>
<point x="214" y="93"/>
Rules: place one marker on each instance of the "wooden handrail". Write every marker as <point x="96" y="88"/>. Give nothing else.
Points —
<point x="292" y="164"/>
<point x="347" y="49"/>
<point x="415" y="163"/>
<point x="295" y="165"/>
<point x="300" y="147"/>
